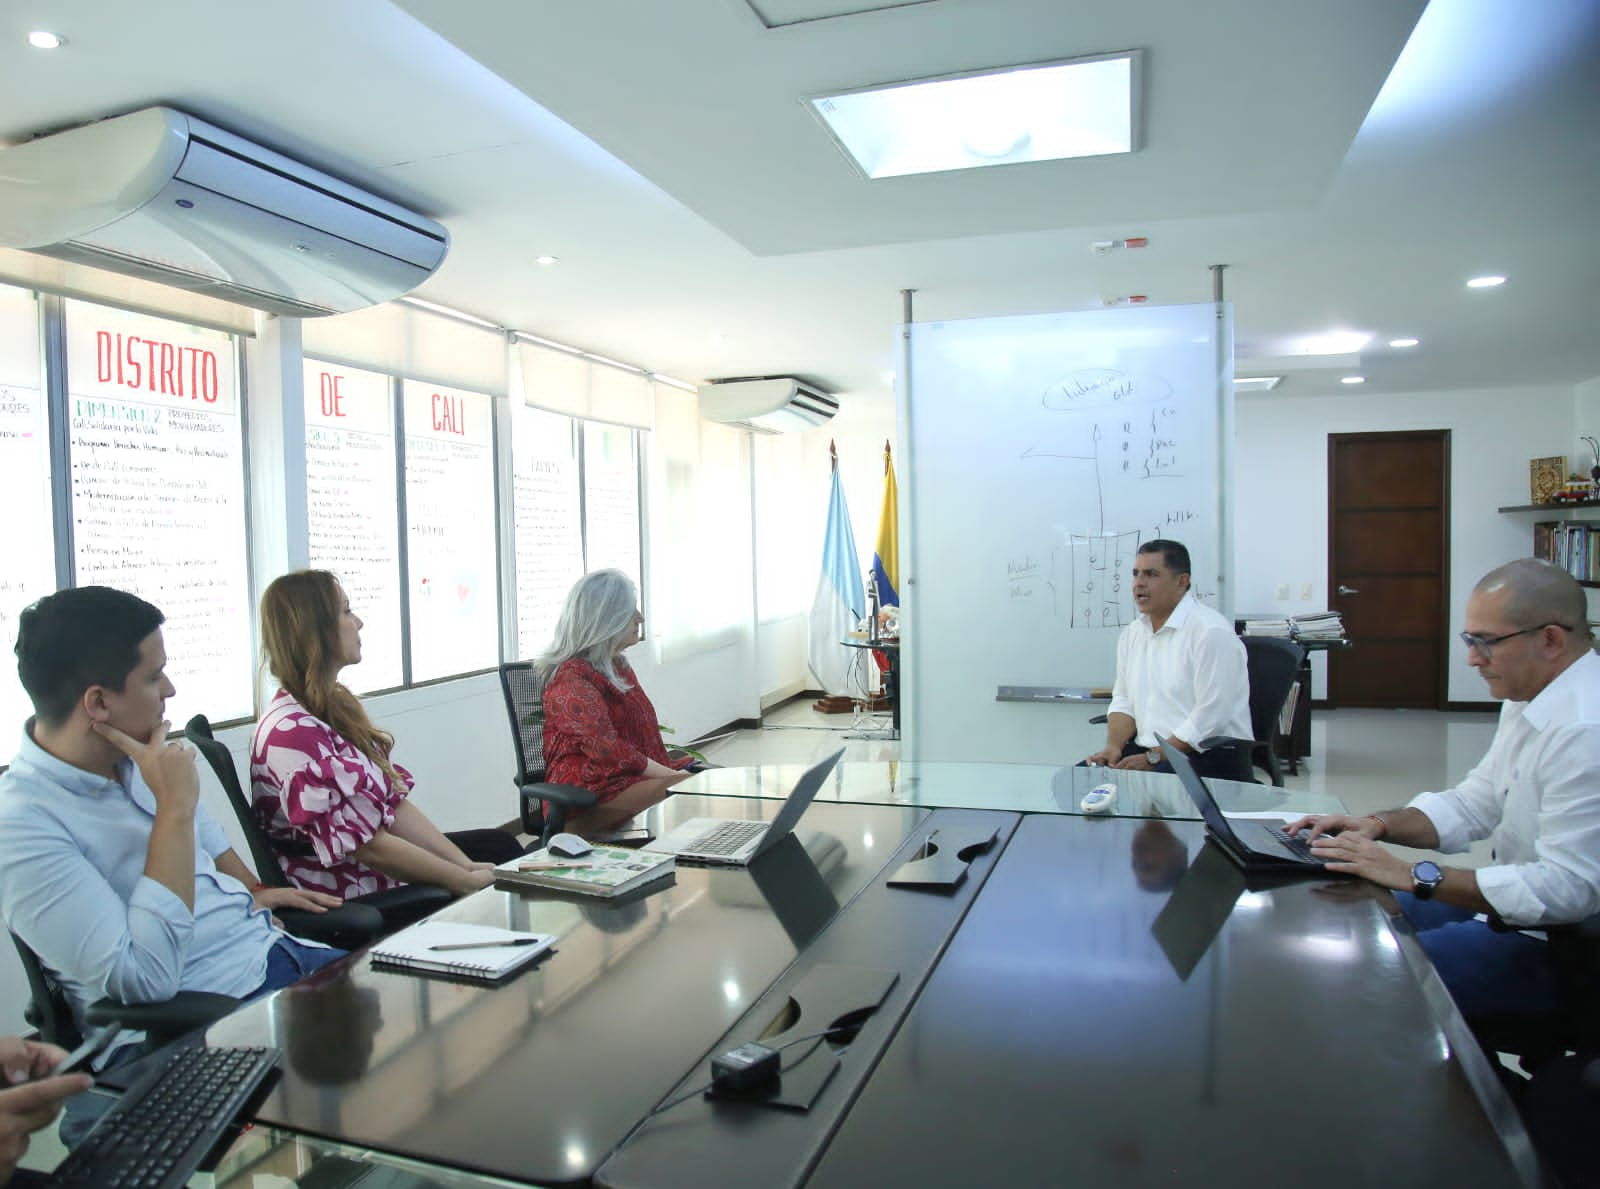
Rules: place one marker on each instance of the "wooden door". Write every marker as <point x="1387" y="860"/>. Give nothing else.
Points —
<point x="1388" y="567"/>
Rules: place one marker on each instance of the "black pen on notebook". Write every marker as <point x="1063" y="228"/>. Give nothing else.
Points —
<point x="483" y="945"/>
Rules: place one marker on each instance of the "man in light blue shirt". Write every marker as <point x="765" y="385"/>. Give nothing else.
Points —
<point x="110" y="870"/>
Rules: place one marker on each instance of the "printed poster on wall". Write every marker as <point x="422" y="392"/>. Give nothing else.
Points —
<point x="611" y="500"/>
<point x="450" y="530"/>
<point x="351" y="494"/>
<point x="547" y="513"/>
<point x="28" y="572"/>
<point x="158" y="491"/>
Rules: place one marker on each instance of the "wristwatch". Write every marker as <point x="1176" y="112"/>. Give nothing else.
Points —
<point x="1425" y="879"/>
<point x="1153" y="756"/>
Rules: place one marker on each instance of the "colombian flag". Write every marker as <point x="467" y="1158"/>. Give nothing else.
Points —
<point x="886" y="559"/>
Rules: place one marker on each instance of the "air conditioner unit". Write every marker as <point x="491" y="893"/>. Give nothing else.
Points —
<point x="162" y="195"/>
<point x="774" y="404"/>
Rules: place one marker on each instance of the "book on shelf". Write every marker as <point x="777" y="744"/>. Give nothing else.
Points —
<point x="605" y="871"/>
<point x="480" y="953"/>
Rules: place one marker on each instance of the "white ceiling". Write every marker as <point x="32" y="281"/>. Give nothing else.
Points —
<point x="707" y="227"/>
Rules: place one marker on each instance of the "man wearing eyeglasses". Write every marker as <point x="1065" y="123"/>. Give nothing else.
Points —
<point x="1536" y="794"/>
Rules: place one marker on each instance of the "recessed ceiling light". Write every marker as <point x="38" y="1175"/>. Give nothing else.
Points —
<point x="40" y="39"/>
<point x="545" y="259"/>
<point x="1079" y="108"/>
<point x="1488" y="282"/>
<point x="1402" y="342"/>
<point x="1257" y="383"/>
<point x="1352" y="379"/>
<point x="1335" y="342"/>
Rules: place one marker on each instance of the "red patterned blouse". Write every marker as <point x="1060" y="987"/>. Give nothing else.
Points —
<point x="597" y="736"/>
<point x="313" y="789"/>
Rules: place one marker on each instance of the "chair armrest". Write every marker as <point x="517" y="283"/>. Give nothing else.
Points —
<point x="1216" y="741"/>
<point x="569" y="795"/>
<point x="184" y="1012"/>
<point x="350" y="926"/>
<point x="400" y="906"/>
<point x="1099" y="719"/>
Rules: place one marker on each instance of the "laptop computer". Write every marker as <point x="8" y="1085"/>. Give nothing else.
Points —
<point x="1255" y="846"/>
<point x="733" y="842"/>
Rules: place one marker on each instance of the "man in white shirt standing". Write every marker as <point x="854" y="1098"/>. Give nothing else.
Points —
<point x="1180" y="673"/>
<point x="1536" y="794"/>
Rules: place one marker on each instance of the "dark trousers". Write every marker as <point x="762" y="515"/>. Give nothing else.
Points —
<point x="487" y="846"/>
<point x="1220" y="763"/>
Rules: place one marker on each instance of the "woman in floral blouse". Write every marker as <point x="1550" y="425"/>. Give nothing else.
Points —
<point x="600" y="730"/>
<point x="321" y="779"/>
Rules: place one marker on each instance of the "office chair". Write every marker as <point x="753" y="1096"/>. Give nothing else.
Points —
<point x="1273" y="666"/>
<point x="361" y="919"/>
<point x="49" y="1011"/>
<point x="524" y="694"/>
<point x="1539" y="1039"/>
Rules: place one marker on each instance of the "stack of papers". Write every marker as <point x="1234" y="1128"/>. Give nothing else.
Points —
<point x="1323" y="625"/>
<point x="1266" y="627"/>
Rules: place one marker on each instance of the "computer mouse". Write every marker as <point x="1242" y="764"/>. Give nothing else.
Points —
<point x="569" y="846"/>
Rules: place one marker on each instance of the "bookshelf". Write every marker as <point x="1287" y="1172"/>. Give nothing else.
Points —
<point x="1547" y="536"/>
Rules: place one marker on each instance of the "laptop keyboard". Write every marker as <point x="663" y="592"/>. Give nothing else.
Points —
<point x="163" y="1126"/>
<point x="1298" y="846"/>
<point x="727" y="839"/>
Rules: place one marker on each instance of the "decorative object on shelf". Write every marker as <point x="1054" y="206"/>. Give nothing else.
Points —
<point x="1545" y="477"/>
<point x="1594" y="471"/>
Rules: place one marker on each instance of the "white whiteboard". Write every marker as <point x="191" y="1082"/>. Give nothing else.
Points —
<point x="1041" y="452"/>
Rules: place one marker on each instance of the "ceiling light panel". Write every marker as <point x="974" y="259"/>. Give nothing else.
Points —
<point x="1086" y="107"/>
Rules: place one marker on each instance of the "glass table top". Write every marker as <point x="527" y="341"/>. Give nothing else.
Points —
<point x="1024" y="788"/>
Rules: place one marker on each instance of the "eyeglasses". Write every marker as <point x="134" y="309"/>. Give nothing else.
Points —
<point x="1484" y="645"/>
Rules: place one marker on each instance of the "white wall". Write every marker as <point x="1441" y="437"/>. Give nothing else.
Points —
<point x="1281" y="493"/>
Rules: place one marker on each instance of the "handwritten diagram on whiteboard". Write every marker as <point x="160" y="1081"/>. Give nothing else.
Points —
<point x="1045" y="450"/>
<point x="1115" y="428"/>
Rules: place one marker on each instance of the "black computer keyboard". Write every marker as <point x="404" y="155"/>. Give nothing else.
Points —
<point x="1296" y="844"/>
<point x="163" y="1126"/>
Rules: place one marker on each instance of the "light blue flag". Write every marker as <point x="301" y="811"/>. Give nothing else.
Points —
<point x="841" y="599"/>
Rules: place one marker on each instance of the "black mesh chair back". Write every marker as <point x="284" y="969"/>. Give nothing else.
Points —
<point x="363" y="919"/>
<point x="48" y="1011"/>
<point x="524" y="695"/>
<point x="1273" y="665"/>
<point x="263" y="854"/>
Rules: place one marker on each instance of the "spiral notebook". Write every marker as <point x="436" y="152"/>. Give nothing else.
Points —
<point x="482" y="953"/>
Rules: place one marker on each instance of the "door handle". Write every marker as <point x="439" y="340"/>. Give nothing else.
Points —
<point x="1347" y="590"/>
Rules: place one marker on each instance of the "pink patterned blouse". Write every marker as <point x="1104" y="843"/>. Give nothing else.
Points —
<point x="313" y="789"/>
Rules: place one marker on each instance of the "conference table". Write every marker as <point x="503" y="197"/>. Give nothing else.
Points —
<point x="1015" y="993"/>
<point x="1022" y="788"/>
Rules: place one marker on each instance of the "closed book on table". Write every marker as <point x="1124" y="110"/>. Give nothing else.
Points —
<point x="605" y="871"/>
<point x="481" y="953"/>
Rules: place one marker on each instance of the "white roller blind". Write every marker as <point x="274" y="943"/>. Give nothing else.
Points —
<point x="401" y="340"/>
<point x="566" y="383"/>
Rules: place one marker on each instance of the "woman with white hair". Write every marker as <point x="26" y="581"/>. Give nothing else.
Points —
<point x="600" y="730"/>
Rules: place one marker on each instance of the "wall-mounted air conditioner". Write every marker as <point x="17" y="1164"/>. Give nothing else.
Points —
<point x="774" y="404"/>
<point x="162" y="195"/>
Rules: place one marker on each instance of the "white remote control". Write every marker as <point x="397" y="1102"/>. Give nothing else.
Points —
<point x="1100" y="799"/>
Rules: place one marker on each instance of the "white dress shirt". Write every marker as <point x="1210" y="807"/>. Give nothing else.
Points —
<point x="1188" y="680"/>
<point x="1537" y="794"/>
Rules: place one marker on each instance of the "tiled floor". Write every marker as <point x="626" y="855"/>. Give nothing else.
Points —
<point x="1369" y="759"/>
